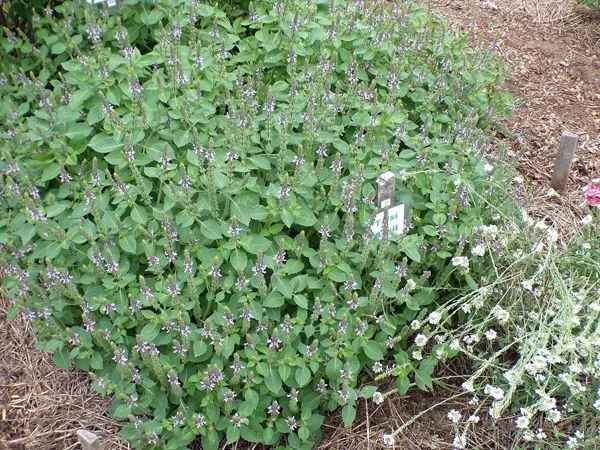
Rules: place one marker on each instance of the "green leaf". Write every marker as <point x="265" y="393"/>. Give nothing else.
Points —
<point x="249" y="405"/>
<point x="211" y="230"/>
<point x="411" y="250"/>
<point x="348" y="415"/>
<point x="104" y="143"/>
<point x="285" y="371"/>
<point x="238" y="260"/>
<point x="150" y="332"/>
<point x="305" y="217"/>
<point x="303" y="433"/>
<point x="368" y="391"/>
<point x="242" y="205"/>
<point x="274" y="300"/>
<point x="58" y="48"/>
<point x="50" y="172"/>
<point x="96" y="361"/>
<point x="255" y="244"/>
<point x="211" y="440"/>
<point x="333" y="367"/>
<point x="336" y="275"/>
<point x="11" y="313"/>
<point x="78" y="131"/>
<point x="128" y="243"/>
<point x="293" y="266"/>
<point x="373" y="350"/>
<point x="121" y="412"/>
<point x="303" y="376"/>
<point x="301" y="301"/>
<point x="138" y="215"/>
<point x="205" y="10"/>
<point x="229" y="345"/>
<point x="200" y="347"/>
<point x="283" y="285"/>
<point x="273" y="382"/>
<point x="233" y="434"/>
<point x="150" y="17"/>
<point x="62" y="359"/>
<point x="55" y="209"/>
<point x="402" y="384"/>
<point x="185" y="219"/>
<point x="260" y="162"/>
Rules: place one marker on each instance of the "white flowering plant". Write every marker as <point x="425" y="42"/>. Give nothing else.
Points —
<point x="531" y="335"/>
<point x="187" y="193"/>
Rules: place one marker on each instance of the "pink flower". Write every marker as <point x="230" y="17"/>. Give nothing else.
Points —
<point x="592" y="195"/>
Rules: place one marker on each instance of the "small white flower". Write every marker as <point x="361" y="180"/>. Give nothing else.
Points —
<point x="528" y="284"/>
<point x="586" y="246"/>
<point x="500" y="314"/>
<point x="415" y="325"/>
<point x="410" y="285"/>
<point x="494" y="392"/>
<point x="417" y="355"/>
<point x="421" y="340"/>
<point x="552" y="235"/>
<point x="474" y="401"/>
<point x="388" y="439"/>
<point x="519" y="179"/>
<point x="488" y="168"/>
<point x="539" y="434"/>
<point x="473" y="419"/>
<point x="378" y="398"/>
<point x="468" y="386"/>
<point x="528" y="436"/>
<point x="434" y="318"/>
<point x="491" y="334"/>
<point x="478" y="250"/>
<point x="587" y="220"/>
<point x="462" y="262"/>
<point x="554" y="415"/>
<point x="459" y="442"/>
<point x="522" y="422"/>
<point x="454" y="416"/>
<point x="455" y="345"/>
<point x="551" y="193"/>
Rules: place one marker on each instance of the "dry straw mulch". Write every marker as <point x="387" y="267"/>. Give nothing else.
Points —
<point x="42" y="407"/>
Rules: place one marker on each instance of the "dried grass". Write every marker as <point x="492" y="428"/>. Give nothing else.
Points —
<point x="542" y="11"/>
<point x="431" y="430"/>
<point x="42" y="407"/>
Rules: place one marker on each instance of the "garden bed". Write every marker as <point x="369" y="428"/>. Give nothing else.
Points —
<point x="555" y="70"/>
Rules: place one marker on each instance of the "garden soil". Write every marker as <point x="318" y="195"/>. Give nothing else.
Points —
<point x="554" y="56"/>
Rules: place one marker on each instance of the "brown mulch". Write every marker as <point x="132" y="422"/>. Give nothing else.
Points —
<point x="554" y="57"/>
<point x="41" y="406"/>
<point x="553" y="53"/>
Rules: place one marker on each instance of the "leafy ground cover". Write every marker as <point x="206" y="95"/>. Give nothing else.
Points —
<point x="188" y="199"/>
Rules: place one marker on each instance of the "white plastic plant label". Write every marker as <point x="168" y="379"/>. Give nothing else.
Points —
<point x="108" y="2"/>
<point x="395" y="221"/>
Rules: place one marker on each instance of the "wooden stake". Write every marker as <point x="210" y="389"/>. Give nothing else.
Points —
<point x="564" y="159"/>
<point x="89" y="440"/>
<point x="386" y="188"/>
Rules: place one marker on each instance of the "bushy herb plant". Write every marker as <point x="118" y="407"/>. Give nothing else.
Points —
<point x="187" y="194"/>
